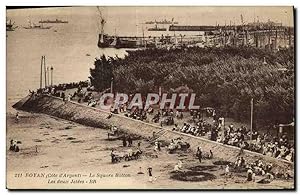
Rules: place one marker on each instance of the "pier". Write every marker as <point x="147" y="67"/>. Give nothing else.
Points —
<point x="270" y="38"/>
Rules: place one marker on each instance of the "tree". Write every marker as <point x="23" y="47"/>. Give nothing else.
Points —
<point x="102" y="74"/>
<point x="223" y="78"/>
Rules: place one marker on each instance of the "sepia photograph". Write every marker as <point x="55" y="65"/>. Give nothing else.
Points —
<point x="150" y="98"/>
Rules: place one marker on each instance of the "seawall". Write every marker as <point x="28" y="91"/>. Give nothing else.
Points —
<point x="97" y="118"/>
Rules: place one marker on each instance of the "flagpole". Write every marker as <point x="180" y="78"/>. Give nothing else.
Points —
<point x="51" y="75"/>
<point x="41" y="75"/>
<point x="48" y="76"/>
<point x="45" y="71"/>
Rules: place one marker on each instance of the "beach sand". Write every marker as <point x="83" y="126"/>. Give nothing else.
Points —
<point x="59" y="154"/>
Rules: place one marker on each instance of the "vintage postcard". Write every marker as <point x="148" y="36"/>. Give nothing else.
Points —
<point x="143" y="98"/>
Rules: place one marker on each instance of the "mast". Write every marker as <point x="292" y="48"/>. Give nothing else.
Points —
<point x="102" y="25"/>
<point x="143" y="37"/>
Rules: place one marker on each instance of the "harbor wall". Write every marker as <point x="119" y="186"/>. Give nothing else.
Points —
<point x="97" y="118"/>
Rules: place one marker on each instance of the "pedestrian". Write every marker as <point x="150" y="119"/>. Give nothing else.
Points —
<point x="124" y="141"/>
<point x="17" y="149"/>
<point x="227" y="170"/>
<point x="249" y="174"/>
<point x="112" y="154"/>
<point x="17" y="117"/>
<point x="129" y="141"/>
<point x="158" y="146"/>
<point x="199" y="154"/>
<point x="180" y="164"/>
<point x="253" y="177"/>
<point x="176" y="167"/>
<point x="150" y="174"/>
<point x="211" y="155"/>
<point x="153" y="134"/>
<point x="69" y="97"/>
<point x="12" y="145"/>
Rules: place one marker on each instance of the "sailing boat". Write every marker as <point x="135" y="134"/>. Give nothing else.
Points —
<point x="34" y="26"/>
<point x="10" y="26"/>
<point x="103" y="40"/>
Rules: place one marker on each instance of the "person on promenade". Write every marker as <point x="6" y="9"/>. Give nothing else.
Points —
<point x="227" y="170"/>
<point x="211" y="155"/>
<point x="150" y="174"/>
<point x="12" y="145"/>
<point x="159" y="146"/>
<point x="17" y="117"/>
<point x="178" y="166"/>
<point x="63" y="96"/>
<point x="112" y="154"/>
<point x="124" y="141"/>
<point x="156" y="117"/>
<point x="249" y="174"/>
<point x="199" y="154"/>
<point x="69" y="97"/>
<point x="156" y="146"/>
<point x="129" y="141"/>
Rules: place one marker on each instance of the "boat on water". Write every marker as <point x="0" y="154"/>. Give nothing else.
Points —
<point x="35" y="26"/>
<point x="160" y="25"/>
<point x="162" y="22"/>
<point x="53" y="21"/>
<point x="10" y="26"/>
<point x="119" y="42"/>
<point x="114" y="41"/>
<point x="156" y="28"/>
<point x="105" y="40"/>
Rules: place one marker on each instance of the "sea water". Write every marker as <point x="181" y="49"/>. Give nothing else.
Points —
<point x="68" y="48"/>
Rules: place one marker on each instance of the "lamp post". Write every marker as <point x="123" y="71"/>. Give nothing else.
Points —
<point x="111" y="85"/>
<point x="51" y="75"/>
<point x="251" y="118"/>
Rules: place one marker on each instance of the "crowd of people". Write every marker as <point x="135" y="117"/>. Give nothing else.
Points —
<point x="14" y="146"/>
<point x="61" y="91"/>
<point x="65" y="86"/>
<point x="178" y="144"/>
<point x="258" y="168"/>
<point x="200" y="129"/>
<point x="274" y="146"/>
<point x="164" y="117"/>
<point x="127" y="156"/>
<point x="137" y="114"/>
